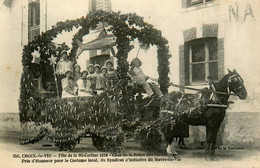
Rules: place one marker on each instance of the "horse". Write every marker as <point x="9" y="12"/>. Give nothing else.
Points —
<point x="208" y="108"/>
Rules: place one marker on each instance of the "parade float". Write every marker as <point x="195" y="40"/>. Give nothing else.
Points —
<point x="108" y="118"/>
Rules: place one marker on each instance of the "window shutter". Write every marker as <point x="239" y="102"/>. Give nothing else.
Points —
<point x="221" y="60"/>
<point x="181" y="65"/>
<point x="186" y="64"/>
<point x="29" y="21"/>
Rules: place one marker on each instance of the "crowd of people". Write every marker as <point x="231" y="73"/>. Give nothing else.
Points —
<point x="72" y="81"/>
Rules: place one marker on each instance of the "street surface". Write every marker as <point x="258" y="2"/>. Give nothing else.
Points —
<point x="9" y="145"/>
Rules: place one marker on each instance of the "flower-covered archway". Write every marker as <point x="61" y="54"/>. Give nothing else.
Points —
<point x="126" y="27"/>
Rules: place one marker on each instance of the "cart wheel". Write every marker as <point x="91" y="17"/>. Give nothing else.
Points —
<point x="98" y="141"/>
<point x="115" y="145"/>
<point x="152" y="141"/>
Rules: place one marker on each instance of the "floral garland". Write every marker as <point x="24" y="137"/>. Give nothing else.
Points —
<point x="126" y="27"/>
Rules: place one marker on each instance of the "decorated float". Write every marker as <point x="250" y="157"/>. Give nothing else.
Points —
<point x="110" y="117"/>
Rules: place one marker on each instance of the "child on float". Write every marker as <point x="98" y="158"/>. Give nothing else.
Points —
<point x="84" y="85"/>
<point x="63" y="66"/>
<point x="111" y="76"/>
<point x="104" y="71"/>
<point x="69" y="88"/>
<point x="77" y="74"/>
<point x="92" y="77"/>
<point x="137" y="75"/>
<point x="100" y="82"/>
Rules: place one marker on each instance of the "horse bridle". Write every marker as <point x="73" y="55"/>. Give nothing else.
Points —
<point x="229" y="81"/>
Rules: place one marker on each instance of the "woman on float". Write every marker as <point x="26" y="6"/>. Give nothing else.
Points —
<point x="92" y="77"/>
<point x="101" y="82"/>
<point x="111" y="76"/>
<point x="69" y="88"/>
<point x="104" y="71"/>
<point x="84" y="85"/>
<point x="77" y="74"/>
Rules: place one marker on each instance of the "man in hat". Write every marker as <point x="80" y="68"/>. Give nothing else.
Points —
<point x="111" y="76"/>
<point x="69" y="88"/>
<point x="84" y="85"/>
<point x="62" y="67"/>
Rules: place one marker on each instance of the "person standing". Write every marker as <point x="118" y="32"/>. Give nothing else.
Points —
<point x="104" y="71"/>
<point x="100" y="82"/>
<point x="92" y="77"/>
<point x="77" y="74"/>
<point x="62" y="67"/>
<point x="111" y="76"/>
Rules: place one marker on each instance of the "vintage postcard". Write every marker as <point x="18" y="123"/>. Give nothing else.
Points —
<point x="130" y="83"/>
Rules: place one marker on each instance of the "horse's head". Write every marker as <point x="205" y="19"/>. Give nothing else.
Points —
<point x="236" y="84"/>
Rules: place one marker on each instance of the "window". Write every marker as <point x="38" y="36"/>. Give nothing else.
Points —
<point x="189" y="3"/>
<point x="203" y="60"/>
<point x="195" y="2"/>
<point x="33" y="19"/>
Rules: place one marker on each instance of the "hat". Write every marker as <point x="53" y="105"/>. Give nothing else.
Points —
<point x="103" y="68"/>
<point x="108" y="61"/>
<point x="84" y="71"/>
<point x="97" y="66"/>
<point x="64" y="52"/>
<point x="76" y="65"/>
<point x="135" y="62"/>
<point x="90" y="65"/>
<point x="69" y="70"/>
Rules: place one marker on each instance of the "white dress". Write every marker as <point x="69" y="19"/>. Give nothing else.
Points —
<point x="83" y="85"/>
<point x="68" y="85"/>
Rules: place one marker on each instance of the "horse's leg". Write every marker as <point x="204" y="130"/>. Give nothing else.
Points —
<point x="172" y="151"/>
<point x="209" y="136"/>
<point x="214" y="139"/>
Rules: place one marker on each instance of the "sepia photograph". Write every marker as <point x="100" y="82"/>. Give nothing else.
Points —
<point x="130" y="83"/>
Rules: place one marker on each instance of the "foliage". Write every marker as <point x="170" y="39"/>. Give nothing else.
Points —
<point x="69" y="115"/>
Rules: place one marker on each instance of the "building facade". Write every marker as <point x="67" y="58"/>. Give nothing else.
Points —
<point x="216" y="35"/>
<point x="205" y="37"/>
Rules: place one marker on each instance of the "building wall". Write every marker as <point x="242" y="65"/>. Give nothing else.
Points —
<point x="14" y="34"/>
<point x="240" y="48"/>
<point x="238" y="36"/>
<point x="11" y="49"/>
